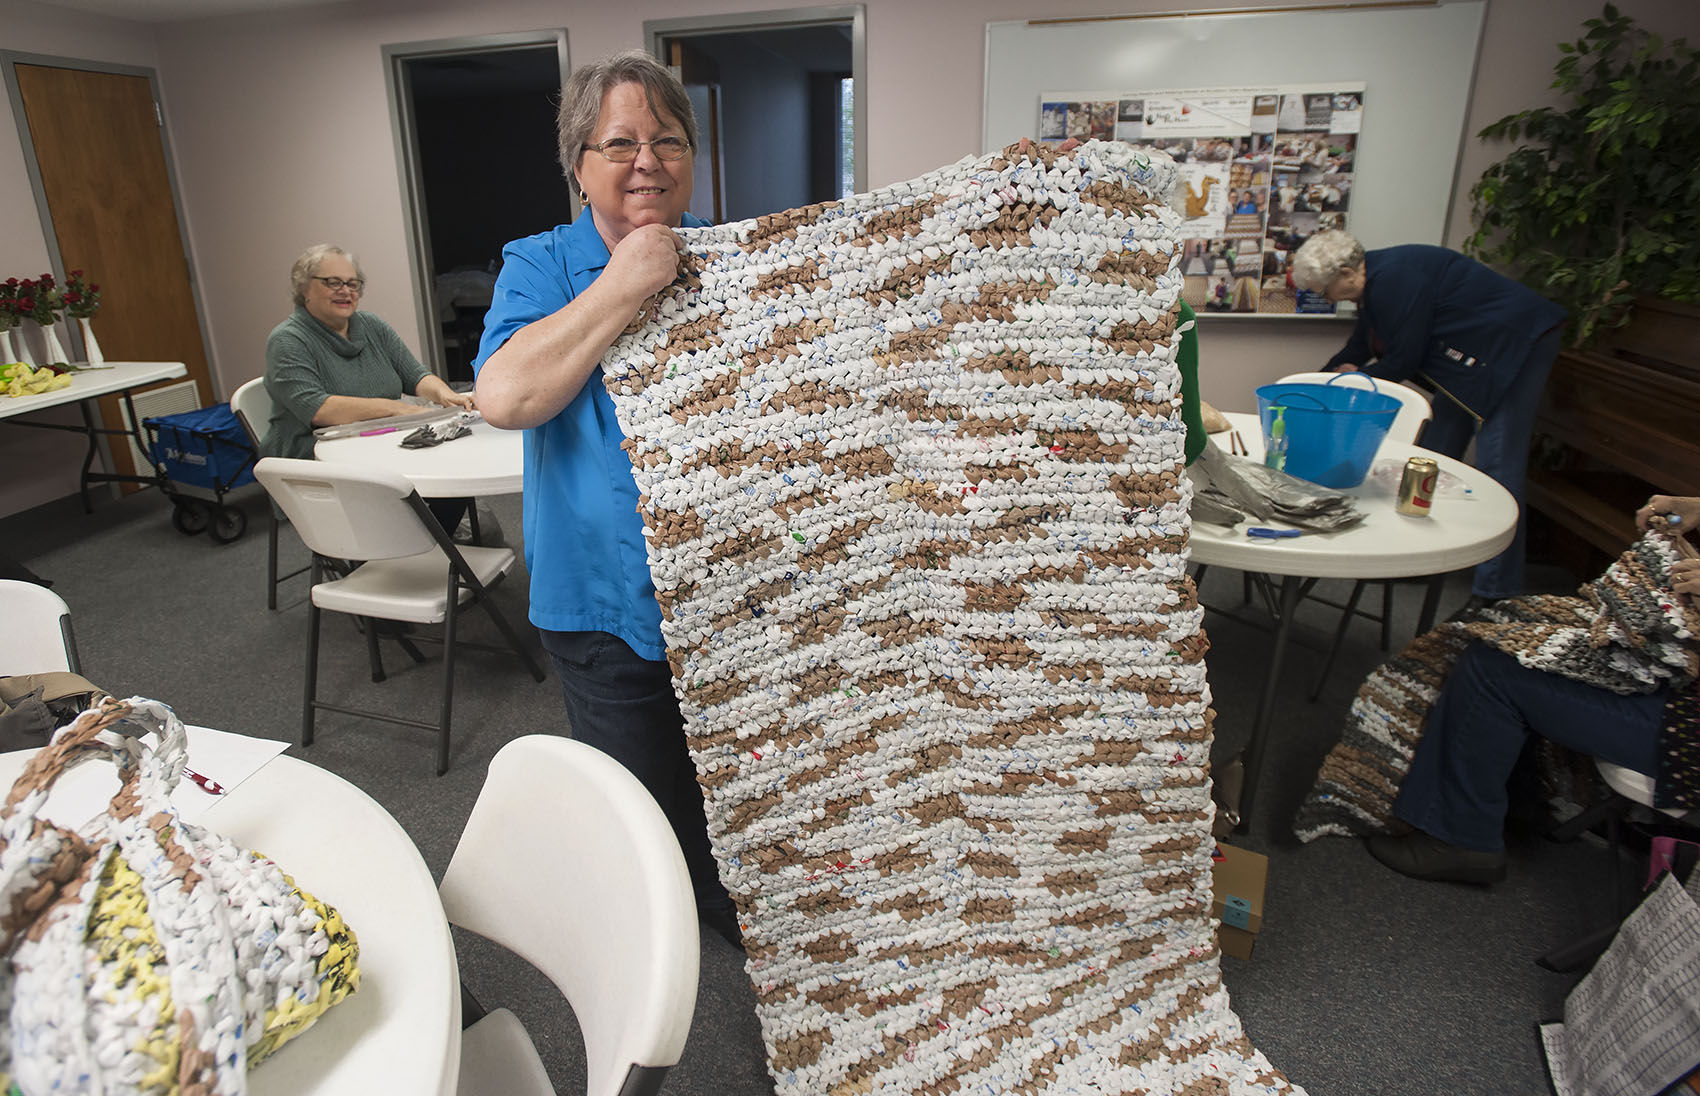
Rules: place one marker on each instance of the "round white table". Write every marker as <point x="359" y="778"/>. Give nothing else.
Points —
<point x="1460" y="532"/>
<point x="400" y="1031"/>
<point x="487" y="461"/>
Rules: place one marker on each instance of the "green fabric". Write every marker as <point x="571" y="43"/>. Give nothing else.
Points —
<point x="1187" y="360"/>
<point x="307" y="363"/>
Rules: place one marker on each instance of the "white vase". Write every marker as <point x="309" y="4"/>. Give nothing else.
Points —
<point x="8" y="353"/>
<point x="55" y="353"/>
<point x="19" y="348"/>
<point x="91" y="348"/>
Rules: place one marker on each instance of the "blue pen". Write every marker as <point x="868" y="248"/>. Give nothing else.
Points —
<point x="1272" y="534"/>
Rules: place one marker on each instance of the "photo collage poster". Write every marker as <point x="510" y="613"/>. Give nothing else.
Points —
<point x="1262" y="170"/>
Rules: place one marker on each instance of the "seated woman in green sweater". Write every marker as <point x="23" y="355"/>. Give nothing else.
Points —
<point x="330" y="364"/>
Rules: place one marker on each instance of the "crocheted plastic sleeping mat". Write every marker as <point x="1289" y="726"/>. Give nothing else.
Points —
<point x="910" y="469"/>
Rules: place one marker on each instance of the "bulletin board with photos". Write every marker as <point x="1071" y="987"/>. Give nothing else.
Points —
<point x="1261" y="171"/>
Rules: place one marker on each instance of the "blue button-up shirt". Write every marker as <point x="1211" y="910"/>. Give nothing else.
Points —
<point x="584" y="542"/>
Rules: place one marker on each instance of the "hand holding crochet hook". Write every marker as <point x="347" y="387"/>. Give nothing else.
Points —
<point x="1676" y="514"/>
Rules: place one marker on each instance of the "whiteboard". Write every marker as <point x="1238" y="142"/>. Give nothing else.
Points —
<point x="1416" y="64"/>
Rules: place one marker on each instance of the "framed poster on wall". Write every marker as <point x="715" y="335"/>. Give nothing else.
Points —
<point x="1262" y="170"/>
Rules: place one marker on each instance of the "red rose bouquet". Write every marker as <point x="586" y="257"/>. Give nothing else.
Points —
<point x="10" y="315"/>
<point x="82" y="298"/>
<point x="40" y="299"/>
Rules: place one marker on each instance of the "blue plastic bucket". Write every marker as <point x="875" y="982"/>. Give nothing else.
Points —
<point x="1332" y="432"/>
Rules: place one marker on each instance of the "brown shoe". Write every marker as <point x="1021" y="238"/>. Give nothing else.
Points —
<point x="1423" y="856"/>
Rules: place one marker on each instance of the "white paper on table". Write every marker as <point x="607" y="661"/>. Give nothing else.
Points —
<point x="83" y="791"/>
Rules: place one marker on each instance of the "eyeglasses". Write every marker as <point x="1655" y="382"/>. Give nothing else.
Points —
<point x="334" y="284"/>
<point x="623" y="150"/>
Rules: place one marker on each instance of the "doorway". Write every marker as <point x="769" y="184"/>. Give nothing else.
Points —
<point x="780" y="106"/>
<point x="122" y="228"/>
<point x="475" y="133"/>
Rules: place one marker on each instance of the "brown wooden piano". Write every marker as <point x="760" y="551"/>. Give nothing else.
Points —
<point x="1620" y="421"/>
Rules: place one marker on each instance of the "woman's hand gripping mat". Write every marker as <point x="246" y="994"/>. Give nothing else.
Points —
<point x="911" y="467"/>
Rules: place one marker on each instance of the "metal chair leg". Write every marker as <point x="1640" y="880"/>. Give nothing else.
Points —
<point x="311" y="689"/>
<point x="1386" y="616"/>
<point x="512" y="636"/>
<point x="373" y="655"/>
<point x="407" y="645"/>
<point x="1339" y="637"/>
<point x="450" y="619"/>
<point x="271" y="557"/>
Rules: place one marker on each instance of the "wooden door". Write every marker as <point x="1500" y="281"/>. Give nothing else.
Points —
<point x="99" y="143"/>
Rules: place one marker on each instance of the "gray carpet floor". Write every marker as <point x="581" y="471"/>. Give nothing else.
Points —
<point x="1362" y="981"/>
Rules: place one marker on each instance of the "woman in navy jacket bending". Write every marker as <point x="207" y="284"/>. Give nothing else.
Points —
<point x="1481" y="342"/>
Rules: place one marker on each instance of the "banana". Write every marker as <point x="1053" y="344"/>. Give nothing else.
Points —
<point x="20" y="379"/>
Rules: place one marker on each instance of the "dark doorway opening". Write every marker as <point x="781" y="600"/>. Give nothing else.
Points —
<point x="776" y="102"/>
<point x="481" y="133"/>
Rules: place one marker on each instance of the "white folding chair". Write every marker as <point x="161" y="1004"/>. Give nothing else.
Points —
<point x="567" y="862"/>
<point x="253" y="407"/>
<point x="412" y="571"/>
<point x="37" y="637"/>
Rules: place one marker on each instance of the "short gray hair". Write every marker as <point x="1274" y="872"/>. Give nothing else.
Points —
<point x="1324" y="257"/>
<point x="581" y="100"/>
<point x="307" y="265"/>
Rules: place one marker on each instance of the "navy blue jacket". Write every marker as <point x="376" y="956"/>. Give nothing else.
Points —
<point x="1432" y="310"/>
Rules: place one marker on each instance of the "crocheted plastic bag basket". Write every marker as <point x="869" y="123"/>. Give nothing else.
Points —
<point x="145" y="954"/>
<point x="911" y="477"/>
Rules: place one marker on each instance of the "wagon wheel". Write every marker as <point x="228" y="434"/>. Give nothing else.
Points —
<point x="189" y="516"/>
<point x="229" y="523"/>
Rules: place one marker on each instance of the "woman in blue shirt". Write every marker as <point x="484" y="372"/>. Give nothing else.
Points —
<point x="627" y="138"/>
<point x="1482" y="342"/>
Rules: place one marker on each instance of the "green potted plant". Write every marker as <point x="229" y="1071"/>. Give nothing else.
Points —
<point x="1601" y="201"/>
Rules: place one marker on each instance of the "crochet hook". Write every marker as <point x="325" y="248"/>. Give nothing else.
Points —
<point x="205" y="783"/>
<point x="1272" y="534"/>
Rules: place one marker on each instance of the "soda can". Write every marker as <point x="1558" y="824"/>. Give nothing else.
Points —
<point x="1416" y="486"/>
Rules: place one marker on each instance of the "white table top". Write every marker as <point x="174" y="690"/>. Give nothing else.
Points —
<point x="94" y="382"/>
<point x="1459" y="533"/>
<point x="486" y="462"/>
<point x="400" y="1032"/>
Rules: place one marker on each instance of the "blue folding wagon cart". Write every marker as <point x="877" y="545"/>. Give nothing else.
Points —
<point x="200" y="456"/>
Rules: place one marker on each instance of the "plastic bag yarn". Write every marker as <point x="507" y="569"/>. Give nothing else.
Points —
<point x="1226" y="488"/>
<point x="910" y="468"/>
<point x="146" y="954"/>
<point x="1623" y="632"/>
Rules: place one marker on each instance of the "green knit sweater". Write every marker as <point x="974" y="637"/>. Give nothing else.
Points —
<point x="307" y="363"/>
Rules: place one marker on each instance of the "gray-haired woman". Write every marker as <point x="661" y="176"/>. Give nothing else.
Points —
<point x="1481" y="341"/>
<point x="329" y="363"/>
<point x="627" y="136"/>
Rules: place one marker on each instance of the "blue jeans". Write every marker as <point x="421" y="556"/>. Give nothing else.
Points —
<point x="1502" y="451"/>
<point x="1485" y="713"/>
<point x="624" y="705"/>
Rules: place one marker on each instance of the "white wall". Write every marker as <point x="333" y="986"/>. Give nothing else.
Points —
<point x="281" y="133"/>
